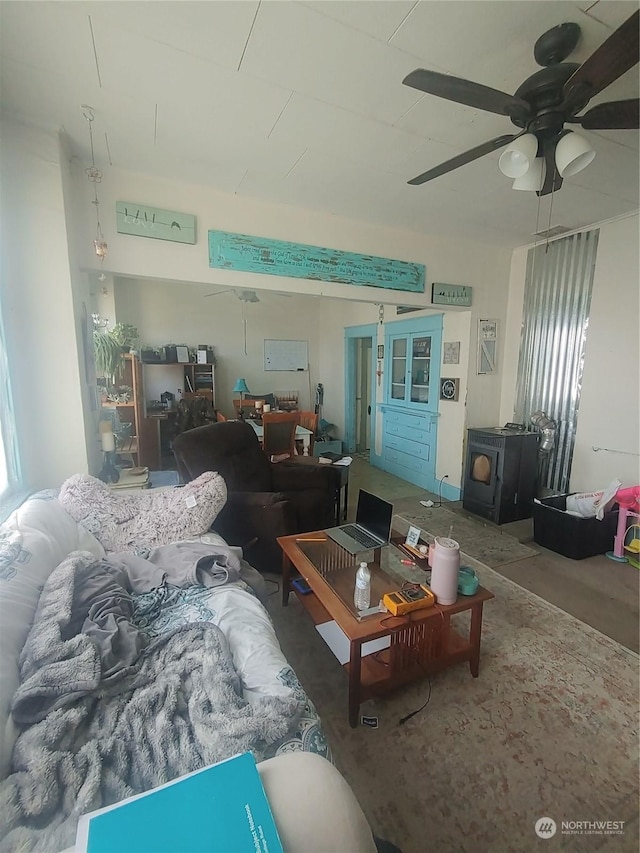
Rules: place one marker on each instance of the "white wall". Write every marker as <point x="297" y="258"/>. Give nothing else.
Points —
<point x="171" y="312"/>
<point x="38" y="307"/>
<point x="335" y="316"/>
<point x="609" y="413"/>
<point x="610" y="404"/>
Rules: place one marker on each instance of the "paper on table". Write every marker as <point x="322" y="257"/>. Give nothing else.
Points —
<point x="338" y="641"/>
<point x="346" y="460"/>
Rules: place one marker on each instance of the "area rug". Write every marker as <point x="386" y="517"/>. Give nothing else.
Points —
<point x="549" y="729"/>
<point x="482" y="541"/>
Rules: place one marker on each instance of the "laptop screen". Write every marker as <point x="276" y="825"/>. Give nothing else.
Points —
<point x="374" y="514"/>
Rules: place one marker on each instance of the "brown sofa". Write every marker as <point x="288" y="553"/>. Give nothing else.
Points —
<point x="265" y="500"/>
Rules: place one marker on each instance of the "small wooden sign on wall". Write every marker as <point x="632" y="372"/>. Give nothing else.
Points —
<point x="451" y="294"/>
<point x="140" y="220"/>
<point x="487" y="346"/>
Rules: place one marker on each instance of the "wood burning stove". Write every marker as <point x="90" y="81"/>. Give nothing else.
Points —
<point x="500" y="473"/>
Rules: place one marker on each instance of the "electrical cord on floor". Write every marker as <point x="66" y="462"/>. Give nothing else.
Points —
<point x="429" y="503"/>
<point x="417" y="711"/>
<point x="276" y="583"/>
<point x="445" y="477"/>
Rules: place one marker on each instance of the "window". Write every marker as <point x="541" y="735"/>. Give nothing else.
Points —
<point x="9" y="463"/>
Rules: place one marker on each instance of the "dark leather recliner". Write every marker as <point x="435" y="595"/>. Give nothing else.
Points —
<point x="265" y="500"/>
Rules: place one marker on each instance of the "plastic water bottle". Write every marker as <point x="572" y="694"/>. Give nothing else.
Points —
<point x="362" y="591"/>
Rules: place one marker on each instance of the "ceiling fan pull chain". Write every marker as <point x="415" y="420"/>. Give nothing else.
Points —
<point x="553" y="192"/>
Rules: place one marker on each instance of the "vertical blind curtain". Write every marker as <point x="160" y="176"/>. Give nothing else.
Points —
<point x="557" y="300"/>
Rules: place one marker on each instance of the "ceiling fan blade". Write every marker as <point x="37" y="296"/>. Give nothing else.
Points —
<point x="552" y="178"/>
<point x="615" y="115"/>
<point x="469" y="93"/>
<point x="463" y="159"/>
<point x="616" y="55"/>
<point x="217" y="292"/>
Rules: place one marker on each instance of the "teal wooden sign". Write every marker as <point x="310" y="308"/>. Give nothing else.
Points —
<point x="143" y="221"/>
<point x="297" y="260"/>
<point x="451" y="294"/>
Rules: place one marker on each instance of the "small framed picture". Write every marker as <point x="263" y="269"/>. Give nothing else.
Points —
<point x="451" y="352"/>
<point x="380" y="350"/>
<point x="487" y="346"/>
<point x="413" y="536"/>
<point x="449" y="388"/>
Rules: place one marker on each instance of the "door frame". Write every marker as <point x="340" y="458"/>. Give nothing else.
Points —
<point x="351" y="335"/>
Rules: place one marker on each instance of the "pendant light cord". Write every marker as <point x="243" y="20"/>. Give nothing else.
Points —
<point x="94" y="174"/>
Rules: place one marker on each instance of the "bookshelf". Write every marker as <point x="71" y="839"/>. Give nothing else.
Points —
<point x="142" y="445"/>
<point x="200" y="379"/>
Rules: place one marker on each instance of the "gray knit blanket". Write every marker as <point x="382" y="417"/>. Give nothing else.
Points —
<point x="172" y="708"/>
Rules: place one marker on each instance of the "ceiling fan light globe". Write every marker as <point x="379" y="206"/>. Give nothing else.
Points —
<point x="573" y="154"/>
<point x="517" y="157"/>
<point x="533" y="179"/>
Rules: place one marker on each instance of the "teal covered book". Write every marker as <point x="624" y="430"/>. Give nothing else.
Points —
<point x="219" y="809"/>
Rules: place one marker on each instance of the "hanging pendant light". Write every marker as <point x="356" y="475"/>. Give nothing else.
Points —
<point x="95" y="177"/>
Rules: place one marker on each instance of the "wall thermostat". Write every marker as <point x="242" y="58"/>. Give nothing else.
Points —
<point x="449" y="389"/>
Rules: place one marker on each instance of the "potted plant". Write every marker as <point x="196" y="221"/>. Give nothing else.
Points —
<point x="108" y="355"/>
<point x="109" y="346"/>
<point x="125" y="334"/>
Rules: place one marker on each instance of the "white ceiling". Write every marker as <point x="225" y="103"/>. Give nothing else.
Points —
<point x="302" y="103"/>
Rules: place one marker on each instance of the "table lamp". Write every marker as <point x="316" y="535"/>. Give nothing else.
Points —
<point x="240" y="388"/>
<point x="109" y="473"/>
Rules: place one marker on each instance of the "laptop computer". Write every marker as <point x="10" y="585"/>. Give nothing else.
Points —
<point x="372" y="528"/>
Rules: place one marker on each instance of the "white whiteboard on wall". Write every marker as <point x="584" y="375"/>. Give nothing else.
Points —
<point x="286" y="355"/>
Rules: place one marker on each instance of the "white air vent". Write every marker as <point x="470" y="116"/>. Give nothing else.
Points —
<point x="552" y="232"/>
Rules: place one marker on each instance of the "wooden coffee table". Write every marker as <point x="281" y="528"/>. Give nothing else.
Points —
<point x="421" y="643"/>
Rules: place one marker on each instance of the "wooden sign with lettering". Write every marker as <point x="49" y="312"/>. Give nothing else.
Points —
<point x="451" y="294"/>
<point x="140" y="220"/>
<point x="298" y="260"/>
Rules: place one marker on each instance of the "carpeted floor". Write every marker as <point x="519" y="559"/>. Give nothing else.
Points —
<point x="550" y="728"/>
<point x="485" y="542"/>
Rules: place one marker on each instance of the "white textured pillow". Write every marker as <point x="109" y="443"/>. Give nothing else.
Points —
<point x="133" y="521"/>
<point x="33" y="541"/>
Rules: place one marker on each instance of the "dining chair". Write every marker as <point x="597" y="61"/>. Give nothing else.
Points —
<point x="279" y="436"/>
<point x="308" y="420"/>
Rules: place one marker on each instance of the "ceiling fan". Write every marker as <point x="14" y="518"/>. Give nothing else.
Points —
<point x="544" y="151"/>
<point x="244" y="295"/>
